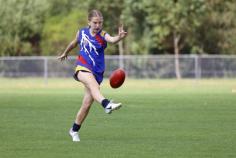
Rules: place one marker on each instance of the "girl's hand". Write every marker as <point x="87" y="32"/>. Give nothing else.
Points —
<point x="62" y="57"/>
<point x="122" y="34"/>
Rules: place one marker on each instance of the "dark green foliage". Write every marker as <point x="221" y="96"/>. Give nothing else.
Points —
<point x="42" y="27"/>
<point x="21" y="26"/>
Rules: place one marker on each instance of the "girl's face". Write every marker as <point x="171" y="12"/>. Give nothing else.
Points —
<point x="95" y="24"/>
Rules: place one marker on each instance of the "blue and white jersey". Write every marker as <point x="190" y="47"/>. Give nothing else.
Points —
<point x="91" y="54"/>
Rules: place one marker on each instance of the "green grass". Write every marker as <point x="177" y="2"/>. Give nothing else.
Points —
<point x="160" y="118"/>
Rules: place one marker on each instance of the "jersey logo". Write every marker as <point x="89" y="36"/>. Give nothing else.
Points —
<point x="103" y="33"/>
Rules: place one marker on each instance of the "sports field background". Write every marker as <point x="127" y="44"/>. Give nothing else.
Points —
<point x="159" y="118"/>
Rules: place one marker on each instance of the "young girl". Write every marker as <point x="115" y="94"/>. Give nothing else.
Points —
<point x="92" y="41"/>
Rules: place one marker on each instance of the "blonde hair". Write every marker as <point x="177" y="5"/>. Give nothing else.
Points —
<point x="94" y="13"/>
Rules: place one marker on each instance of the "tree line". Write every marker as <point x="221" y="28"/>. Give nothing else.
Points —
<point x="45" y="27"/>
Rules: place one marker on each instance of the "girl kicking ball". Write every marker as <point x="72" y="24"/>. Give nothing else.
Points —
<point x="92" y="41"/>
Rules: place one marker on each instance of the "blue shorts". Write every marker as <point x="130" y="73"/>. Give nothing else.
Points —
<point x="98" y="76"/>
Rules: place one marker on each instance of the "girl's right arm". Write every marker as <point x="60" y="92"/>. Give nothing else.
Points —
<point x="71" y="46"/>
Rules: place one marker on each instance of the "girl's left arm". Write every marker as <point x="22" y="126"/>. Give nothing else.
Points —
<point x="115" y="39"/>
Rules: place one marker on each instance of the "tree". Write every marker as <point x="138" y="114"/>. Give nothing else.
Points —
<point x="216" y="35"/>
<point x="139" y="32"/>
<point x="21" y="25"/>
<point x="183" y="18"/>
<point x="165" y="25"/>
<point x="59" y="30"/>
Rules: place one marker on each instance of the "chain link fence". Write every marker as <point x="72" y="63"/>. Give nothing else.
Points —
<point x="151" y="66"/>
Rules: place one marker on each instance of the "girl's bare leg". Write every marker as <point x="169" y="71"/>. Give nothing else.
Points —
<point x="89" y="81"/>
<point x="84" y="110"/>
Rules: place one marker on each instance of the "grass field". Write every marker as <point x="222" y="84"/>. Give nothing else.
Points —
<point x="159" y="118"/>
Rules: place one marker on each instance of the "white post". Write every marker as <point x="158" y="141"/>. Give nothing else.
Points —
<point x="45" y="70"/>
<point x="197" y="67"/>
<point x="121" y="52"/>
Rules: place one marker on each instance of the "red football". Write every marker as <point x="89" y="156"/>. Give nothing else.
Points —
<point x="117" y="78"/>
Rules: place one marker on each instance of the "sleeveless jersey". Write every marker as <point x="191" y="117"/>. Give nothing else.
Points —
<point x="91" y="54"/>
